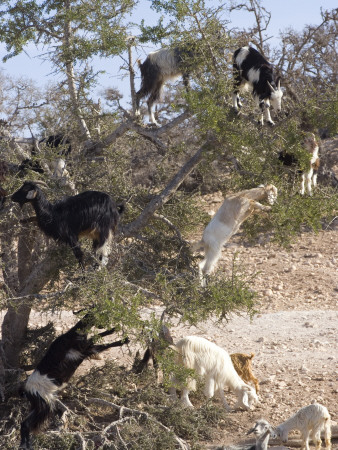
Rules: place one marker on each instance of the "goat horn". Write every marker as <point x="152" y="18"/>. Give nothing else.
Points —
<point x="278" y="84"/>
<point x="271" y="87"/>
<point x="39" y="182"/>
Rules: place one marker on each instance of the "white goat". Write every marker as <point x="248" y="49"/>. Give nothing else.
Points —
<point x="309" y="176"/>
<point x="309" y="420"/>
<point x="226" y="222"/>
<point x="214" y="364"/>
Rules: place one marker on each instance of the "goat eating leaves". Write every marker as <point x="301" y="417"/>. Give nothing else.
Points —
<point x="92" y="213"/>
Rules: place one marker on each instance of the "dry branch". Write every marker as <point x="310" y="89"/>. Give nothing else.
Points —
<point x="135" y="412"/>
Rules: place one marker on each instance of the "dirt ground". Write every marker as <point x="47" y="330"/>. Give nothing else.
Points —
<point x="294" y="336"/>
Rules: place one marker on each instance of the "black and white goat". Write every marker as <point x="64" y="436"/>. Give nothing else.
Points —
<point x="160" y="66"/>
<point x="253" y="71"/>
<point x="90" y="214"/>
<point x="309" y="173"/>
<point x="55" y="369"/>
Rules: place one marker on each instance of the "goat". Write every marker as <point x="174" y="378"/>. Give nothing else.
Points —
<point x="60" y="145"/>
<point x="158" y="343"/>
<point x="252" y="71"/>
<point x="235" y="209"/>
<point x="242" y="365"/>
<point x="160" y="66"/>
<point x="309" y="420"/>
<point x="214" y="364"/>
<point x="309" y="174"/>
<point x="92" y="213"/>
<point x="63" y="357"/>
<point x="262" y="431"/>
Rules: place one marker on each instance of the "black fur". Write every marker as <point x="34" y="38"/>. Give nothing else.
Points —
<point x="59" y="369"/>
<point x="255" y="60"/>
<point x="67" y="218"/>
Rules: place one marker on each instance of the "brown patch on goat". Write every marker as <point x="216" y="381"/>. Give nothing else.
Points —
<point x="90" y="233"/>
<point x="242" y="365"/>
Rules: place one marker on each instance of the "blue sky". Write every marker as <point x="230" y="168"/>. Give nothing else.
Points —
<point x="284" y="14"/>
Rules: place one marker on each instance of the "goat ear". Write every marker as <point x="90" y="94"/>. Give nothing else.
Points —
<point x="271" y="87"/>
<point x="31" y="194"/>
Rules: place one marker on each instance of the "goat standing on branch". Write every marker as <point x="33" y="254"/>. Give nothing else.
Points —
<point x="92" y="213"/>
<point x="253" y="71"/>
<point x="160" y="66"/>
<point x="309" y="175"/>
<point x="55" y="369"/>
<point x="235" y="209"/>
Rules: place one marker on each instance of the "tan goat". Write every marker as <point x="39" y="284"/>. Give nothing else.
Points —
<point x="242" y="364"/>
<point x="235" y="209"/>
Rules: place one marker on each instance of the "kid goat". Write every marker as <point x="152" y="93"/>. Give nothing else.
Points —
<point x="235" y="209"/>
<point x="55" y="369"/>
<point x="252" y="71"/>
<point x="262" y="431"/>
<point x="92" y="213"/>
<point x="309" y="420"/>
<point x="160" y="66"/>
<point x="214" y="364"/>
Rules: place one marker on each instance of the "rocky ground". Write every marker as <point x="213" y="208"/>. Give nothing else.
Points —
<point x="294" y="336"/>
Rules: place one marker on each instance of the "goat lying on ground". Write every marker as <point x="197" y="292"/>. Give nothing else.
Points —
<point x="235" y="209"/>
<point x="309" y="175"/>
<point x="262" y="431"/>
<point x="242" y="364"/>
<point x="309" y="420"/>
<point x="213" y="364"/>
<point x="253" y="71"/>
<point x="160" y="66"/>
<point x="92" y="213"/>
<point x="55" y="369"/>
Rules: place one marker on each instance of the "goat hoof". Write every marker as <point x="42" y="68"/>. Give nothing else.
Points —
<point x="272" y="124"/>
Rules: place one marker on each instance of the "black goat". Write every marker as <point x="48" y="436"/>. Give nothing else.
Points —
<point x="55" y="369"/>
<point x="59" y="143"/>
<point x="156" y="345"/>
<point x="252" y="70"/>
<point x="92" y="213"/>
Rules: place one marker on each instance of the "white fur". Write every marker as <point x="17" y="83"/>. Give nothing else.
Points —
<point x="253" y="75"/>
<point x="309" y="178"/>
<point x="103" y="252"/>
<point x="242" y="55"/>
<point x="235" y="209"/>
<point x="73" y="354"/>
<point x="309" y="420"/>
<point x="213" y="364"/>
<point x="42" y="385"/>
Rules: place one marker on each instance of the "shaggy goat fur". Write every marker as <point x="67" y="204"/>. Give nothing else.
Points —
<point x="160" y="66"/>
<point x="235" y="209"/>
<point x="55" y="369"/>
<point x="252" y="71"/>
<point x="242" y="364"/>
<point x="92" y="213"/>
<point x="214" y="364"/>
<point x="310" y="421"/>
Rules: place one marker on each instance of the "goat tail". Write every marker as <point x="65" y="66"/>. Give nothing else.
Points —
<point x="197" y="246"/>
<point x="139" y="62"/>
